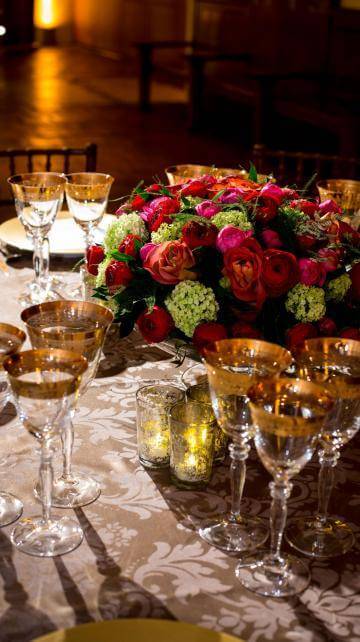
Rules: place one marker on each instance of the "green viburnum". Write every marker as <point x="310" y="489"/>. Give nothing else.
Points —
<point x="189" y="304"/>
<point x="168" y="232"/>
<point x="121" y="227"/>
<point x="232" y="217"/>
<point x="100" y="278"/>
<point x="307" y="303"/>
<point x="337" y="288"/>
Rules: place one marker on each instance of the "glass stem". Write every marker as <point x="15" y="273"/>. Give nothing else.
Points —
<point x="67" y="438"/>
<point x="238" y="454"/>
<point x="41" y="261"/>
<point x="46" y="480"/>
<point x="328" y="459"/>
<point x="280" y="492"/>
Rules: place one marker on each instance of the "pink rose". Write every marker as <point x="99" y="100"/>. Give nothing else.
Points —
<point x="231" y="195"/>
<point x="144" y="251"/>
<point x="208" y="209"/>
<point x="169" y="263"/>
<point x="329" y="206"/>
<point x="331" y="258"/>
<point x="311" y="272"/>
<point x="230" y="237"/>
<point x="271" y="239"/>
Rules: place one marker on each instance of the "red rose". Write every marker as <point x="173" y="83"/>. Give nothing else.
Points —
<point x="307" y="207"/>
<point x="206" y="333"/>
<point x="155" y="187"/>
<point x="351" y="333"/>
<point x="348" y="234"/>
<point x="159" y="211"/>
<point x="131" y="245"/>
<point x="280" y="272"/>
<point x="243" y="267"/>
<point x="355" y="281"/>
<point x="267" y="202"/>
<point x="327" y="327"/>
<point x="242" y="330"/>
<point x="197" y="234"/>
<point x="155" y="325"/>
<point x="94" y="255"/>
<point x="306" y="241"/>
<point x="117" y="274"/>
<point x="137" y="203"/>
<point x="296" y="335"/>
<point x="170" y="262"/>
<point x="194" y="188"/>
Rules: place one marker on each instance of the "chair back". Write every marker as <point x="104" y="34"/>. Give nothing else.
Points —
<point x="40" y="159"/>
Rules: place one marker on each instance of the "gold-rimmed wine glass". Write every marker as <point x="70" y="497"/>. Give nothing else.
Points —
<point x="335" y="364"/>
<point x="11" y="341"/>
<point x="38" y="198"/>
<point x="288" y="415"/>
<point x="232" y="366"/>
<point x="45" y="384"/>
<point x="78" y="326"/>
<point x="87" y="195"/>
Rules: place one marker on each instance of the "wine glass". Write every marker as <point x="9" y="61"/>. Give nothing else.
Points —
<point x="79" y="326"/>
<point x="232" y="366"/>
<point x="45" y="384"/>
<point x="11" y="340"/>
<point x="87" y="195"/>
<point x="288" y="415"/>
<point x="38" y="198"/>
<point x="335" y="364"/>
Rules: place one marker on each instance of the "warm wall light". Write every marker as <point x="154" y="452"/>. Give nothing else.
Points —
<point x="50" y="14"/>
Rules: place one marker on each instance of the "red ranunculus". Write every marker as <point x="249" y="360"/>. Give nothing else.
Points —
<point x="94" y="255"/>
<point x="305" y="206"/>
<point x="198" y="234"/>
<point x="327" y="327"/>
<point x="131" y="245"/>
<point x="355" y="281"/>
<point x="296" y="335"/>
<point x="350" y="333"/>
<point x="117" y="274"/>
<point x="243" y="267"/>
<point x="159" y="211"/>
<point x="280" y="272"/>
<point x="242" y="330"/>
<point x="195" y="188"/>
<point x="208" y="332"/>
<point x="155" y="325"/>
<point x="170" y="262"/>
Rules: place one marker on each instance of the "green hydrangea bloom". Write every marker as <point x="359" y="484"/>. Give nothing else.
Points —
<point x="189" y="304"/>
<point x="121" y="227"/>
<point x="307" y="303"/>
<point x="100" y="278"/>
<point x="232" y="217"/>
<point x="337" y="288"/>
<point x="168" y="232"/>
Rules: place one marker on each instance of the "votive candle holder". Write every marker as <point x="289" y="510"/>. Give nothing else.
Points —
<point x="200" y="392"/>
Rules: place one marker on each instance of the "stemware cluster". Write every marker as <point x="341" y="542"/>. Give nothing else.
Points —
<point x="46" y="382"/>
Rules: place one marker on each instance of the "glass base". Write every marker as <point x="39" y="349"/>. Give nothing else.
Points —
<point x="258" y="573"/>
<point x="80" y="491"/>
<point x="235" y="537"/>
<point x="336" y="538"/>
<point x="35" y="295"/>
<point x="10" y="509"/>
<point x="187" y="484"/>
<point x="153" y="465"/>
<point x="35" y="537"/>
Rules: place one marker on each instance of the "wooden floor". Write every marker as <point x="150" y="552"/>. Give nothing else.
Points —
<point x="71" y="96"/>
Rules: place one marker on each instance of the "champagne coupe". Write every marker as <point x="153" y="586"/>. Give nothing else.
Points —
<point x="11" y="340"/>
<point x="45" y="384"/>
<point x="79" y="326"/>
<point x="335" y="364"/>
<point x="232" y="366"/>
<point x="38" y="198"/>
<point x="87" y="195"/>
<point x="288" y="415"/>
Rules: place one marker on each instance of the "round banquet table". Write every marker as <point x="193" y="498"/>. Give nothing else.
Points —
<point x="141" y="555"/>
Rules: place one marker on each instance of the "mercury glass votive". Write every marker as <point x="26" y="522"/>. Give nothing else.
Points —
<point x="192" y="432"/>
<point x="200" y="392"/>
<point x="153" y="403"/>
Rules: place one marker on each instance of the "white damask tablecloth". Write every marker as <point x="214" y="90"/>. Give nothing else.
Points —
<point x="142" y="556"/>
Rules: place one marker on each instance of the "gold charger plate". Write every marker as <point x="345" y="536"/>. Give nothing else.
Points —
<point x="139" y="630"/>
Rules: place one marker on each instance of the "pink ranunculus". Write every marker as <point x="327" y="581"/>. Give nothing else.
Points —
<point x="329" y="206"/>
<point x="208" y="209"/>
<point x="271" y="239"/>
<point x="311" y="272"/>
<point x="272" y="192"/>
<point x="231" y="195"/>
<point x="144" y="251"/>
<point x="170" y="262"/>
<point x="230" y="237"/>
<point x="331" y="258"/>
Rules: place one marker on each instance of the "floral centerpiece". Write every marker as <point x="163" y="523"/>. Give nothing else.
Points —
<point x="210" y="258"/>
